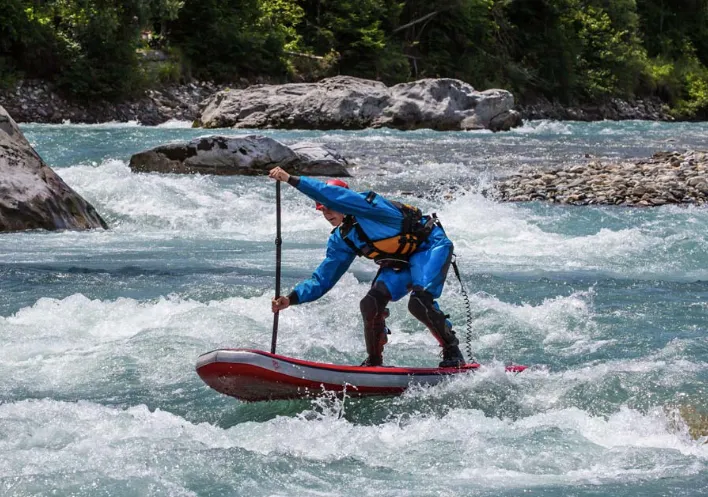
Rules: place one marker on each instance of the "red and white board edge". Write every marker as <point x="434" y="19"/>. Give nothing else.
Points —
<point x="255" y="375"/>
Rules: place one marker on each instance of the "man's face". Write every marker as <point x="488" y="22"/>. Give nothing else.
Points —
<point x="335" y="218"/>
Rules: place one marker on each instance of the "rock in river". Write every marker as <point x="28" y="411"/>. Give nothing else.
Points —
<point x="344" y="102"/>
<point x="240" y="155"/>
<point x="32" y="195"/>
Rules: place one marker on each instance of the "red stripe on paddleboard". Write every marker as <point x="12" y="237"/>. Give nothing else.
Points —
<point x="248" y="382"/>
<point x="236" y="375"/>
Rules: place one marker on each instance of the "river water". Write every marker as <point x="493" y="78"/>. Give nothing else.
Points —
<point x="99" y="331"/>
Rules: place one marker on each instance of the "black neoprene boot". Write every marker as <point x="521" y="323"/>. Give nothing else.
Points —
<point x="452" y="357"/>
<point x="376" y="337"/>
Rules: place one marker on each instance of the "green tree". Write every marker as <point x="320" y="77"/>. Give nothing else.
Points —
<point x="224" y="40"/>
<point x="544" y="48"/>
<point x="358" y="31"/>
<point x="577" y="49"/>
<point x="572" y="50"/>
<point x="28" y="44"/>
<point x="453" y="38"/>
<point x="676" y="37"/>
<point x="283" y="16"/>
<point x="87" y="46"/>
<point x="669" y="24"/>
<point x="99" y="41"/>
<point x="612" y="58"/>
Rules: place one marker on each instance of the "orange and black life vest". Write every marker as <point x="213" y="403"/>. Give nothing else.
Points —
<point x="393" y="251"/>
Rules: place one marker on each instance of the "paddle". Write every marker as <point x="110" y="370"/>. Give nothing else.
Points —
<point x="278" y="243"/>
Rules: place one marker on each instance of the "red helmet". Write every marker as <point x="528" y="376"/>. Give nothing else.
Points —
<point x="335" y="182"/>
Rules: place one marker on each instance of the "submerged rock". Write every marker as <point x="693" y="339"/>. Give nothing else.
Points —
<point x="344" y="102"/>
<point x="240" y="155"/>
<point x="665" y="178"/>
<point x="31" y="194"/>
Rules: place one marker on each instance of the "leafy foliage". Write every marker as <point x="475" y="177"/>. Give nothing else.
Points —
<point x="224" y="40"/>
<point x="571" y="50"/>
<point x="358" y="32"/>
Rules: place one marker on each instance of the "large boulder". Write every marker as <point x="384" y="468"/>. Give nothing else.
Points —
<point x="448" y="105"/>
<point x="345" y="102"/>
<point x="336" y="103"/>
<point x="239" y="155"/>
<point x="31" y="194"/>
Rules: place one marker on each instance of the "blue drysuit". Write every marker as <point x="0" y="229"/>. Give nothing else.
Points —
<point x="379" y="219"/>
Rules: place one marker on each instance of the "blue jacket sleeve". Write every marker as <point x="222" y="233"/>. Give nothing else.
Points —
<point x="350" y="202"/>
<point x="338" y="259"/>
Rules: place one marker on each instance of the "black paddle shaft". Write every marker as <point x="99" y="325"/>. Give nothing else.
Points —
<point x="278" y="244"/>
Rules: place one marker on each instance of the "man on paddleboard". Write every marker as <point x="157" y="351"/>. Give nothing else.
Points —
<point x="411" y="249"/>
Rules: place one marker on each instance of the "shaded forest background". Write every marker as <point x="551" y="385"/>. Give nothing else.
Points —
<point x="572" y="51"/>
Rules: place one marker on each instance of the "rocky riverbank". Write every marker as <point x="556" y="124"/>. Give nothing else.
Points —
<point x="38" y="101"/>
<point x="613" y="109"/>
<point x="665" y="178"/>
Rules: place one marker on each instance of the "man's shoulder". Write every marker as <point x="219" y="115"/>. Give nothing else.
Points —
<point x="338" y="238"/>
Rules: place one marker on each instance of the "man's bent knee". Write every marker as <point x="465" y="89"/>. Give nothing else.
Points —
<point x="420" y="304"/>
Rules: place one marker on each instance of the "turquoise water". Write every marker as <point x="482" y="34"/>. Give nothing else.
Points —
<point x="99" y="331"/>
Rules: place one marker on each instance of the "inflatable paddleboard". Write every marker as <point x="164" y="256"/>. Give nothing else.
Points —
<point x="254" y="375"/>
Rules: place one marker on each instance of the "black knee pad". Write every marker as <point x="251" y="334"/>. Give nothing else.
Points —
<point x="374" y="303"/>
<point x="421" y="306"/>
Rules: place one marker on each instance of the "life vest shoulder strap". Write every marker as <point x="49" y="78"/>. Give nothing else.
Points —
<point x="349" y="224"/>
<point x="412" y="216"/>
<point x="344" y="230"/>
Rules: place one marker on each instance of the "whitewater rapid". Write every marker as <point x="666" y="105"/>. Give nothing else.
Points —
<point x="99" y="331"/>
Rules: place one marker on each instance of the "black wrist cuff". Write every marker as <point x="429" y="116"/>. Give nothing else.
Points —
<point x="292" y="297"/>
<point x="294" y="180"/>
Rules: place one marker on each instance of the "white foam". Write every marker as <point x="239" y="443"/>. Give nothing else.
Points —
<point x="489" y="235"/>
<point x="492" y="236"/>
<point x="557" y="390"/>
<point x="66" y="344"/>
<point x="543" y="127"/>
<point x="523" y="446"/>
<point x="186" y="203"/>
<point x="104" y="125"/>
<point x="175" y="124"/>
<point x="564" y="446"/>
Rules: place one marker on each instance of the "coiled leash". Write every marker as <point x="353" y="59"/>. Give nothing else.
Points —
<point x="468" y="310"/>
<point x="468" y="305"/>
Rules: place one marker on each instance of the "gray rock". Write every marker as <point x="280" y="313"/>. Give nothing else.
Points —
<point x="345" y="102"/>
<point x="505" y="121"/>
<point x="335" y="103"/>
<point x="319" y="160"/>
<point x="32" y="196"/>
<point x="239" y="155"/>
